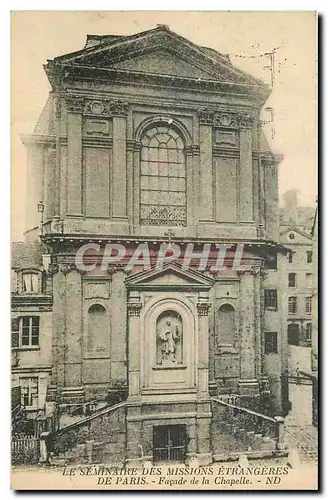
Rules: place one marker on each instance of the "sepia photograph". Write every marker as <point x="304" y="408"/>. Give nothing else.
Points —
<point x="164" y="250"/>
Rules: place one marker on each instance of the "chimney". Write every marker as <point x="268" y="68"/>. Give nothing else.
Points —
<point x="291" y="212"/>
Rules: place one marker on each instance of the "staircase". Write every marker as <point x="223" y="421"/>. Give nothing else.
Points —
<point x="98" y="438"/>
<point x="239" y="431"/>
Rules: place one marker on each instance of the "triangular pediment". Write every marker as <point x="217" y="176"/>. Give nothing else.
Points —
<point x="170" y="276"/>
<point x="163" y="62"/>
<point x="299" y="236"/>
<point x="157" y="51"/>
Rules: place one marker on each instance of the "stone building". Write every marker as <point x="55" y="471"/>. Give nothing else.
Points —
<point x="147" y="139"/>
<point x="295" y="234"/>
<point x="31" y="327"/>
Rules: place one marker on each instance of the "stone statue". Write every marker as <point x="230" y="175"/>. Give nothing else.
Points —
<point x="169" y="335"/>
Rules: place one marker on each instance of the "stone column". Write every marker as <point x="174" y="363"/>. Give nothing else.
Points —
<point x="203" y="308"/>
<point x="247" y="382"/>
<point x="119" y="327"/>
<point x="134" y="307"/>
<point x="118" y="110"/>
<point x="206" y="165"/>
<point x="246" y="175"/>
<point x="74" y="150"/>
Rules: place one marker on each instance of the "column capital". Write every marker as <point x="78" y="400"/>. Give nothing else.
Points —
<point x="203" y="308"/>
<point x="134" y="308"/>
<point x="232" y="119"/>
<point x="117" y="267"/>
<point x="118" y="108"/>
<point x="66" y="268"/>
<point x="53" y="268"/>
<point x="74" y="103"/>
<point x="205" y="116"/>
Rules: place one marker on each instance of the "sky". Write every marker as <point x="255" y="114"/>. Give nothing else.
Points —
<point x="40" y="35"/>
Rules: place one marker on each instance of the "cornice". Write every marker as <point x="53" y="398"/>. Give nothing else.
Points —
<point x="28" y="139"/>
<point x="67" y="73"/>
<point x="31" y="301"/>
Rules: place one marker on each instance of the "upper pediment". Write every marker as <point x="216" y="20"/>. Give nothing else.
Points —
<point x="163" y="62"/>
<point x="153" y="52"/>
<point x="170" y="276"/>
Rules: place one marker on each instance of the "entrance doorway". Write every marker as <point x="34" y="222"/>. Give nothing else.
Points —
<point x="169" y="443"/>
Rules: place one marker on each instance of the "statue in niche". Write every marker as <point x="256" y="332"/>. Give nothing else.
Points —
<point x="169" y="338"/>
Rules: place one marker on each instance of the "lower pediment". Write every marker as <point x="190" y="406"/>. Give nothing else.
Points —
<point x="170" y="276"/>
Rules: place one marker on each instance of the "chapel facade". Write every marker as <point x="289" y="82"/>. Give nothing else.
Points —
<point x="144" y="140"/>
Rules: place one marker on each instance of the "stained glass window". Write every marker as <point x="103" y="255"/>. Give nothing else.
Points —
<point x="163" y="178"/>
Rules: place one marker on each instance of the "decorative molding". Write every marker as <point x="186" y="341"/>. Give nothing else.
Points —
<point x="106" y="108"/>
<point x="53" y="268"/>
<point x="134" y="308"/>
<point x="74" y="104"/>
<point x="224" y="119"/>
<point x="117" y="267"/>
<point x="203" y="308"/>
<point x="66" y="268"/>
<point x="255" y="270"/>
<point x="205" y="116"/>
<point x="118" y="108"/>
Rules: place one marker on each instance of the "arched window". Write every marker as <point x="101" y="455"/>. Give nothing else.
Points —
<point x="226" y="325"/>
<point x="97" y="328"/>
<point x="163" y="178"/>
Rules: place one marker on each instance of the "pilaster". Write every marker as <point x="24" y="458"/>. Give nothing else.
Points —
<point x="248" y="381"/>
<point x="203" y="308"/>
<point x="206" y="165"/>
<point x="119" y="327"/>
<point x="74" y="106"/>
<point x="119" y="161"/>
<point x="134" y="307"/>
<point x="246" y="176"/>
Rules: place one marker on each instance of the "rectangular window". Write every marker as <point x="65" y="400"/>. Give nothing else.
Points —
<point x="290" y="257"/>
<point x="292" y="305"/>
<point x="29" y="391"/>
<point x="270" y="299"/>
<point x="308" y="331"/>
<point x="292" y="280"/>
<point x="270" y="343"/>
<point x="309" y="256"/>
<point x="308" y="280"/>
<point x="25" y="331"/>
<point x="308" y="305"/>
<point x="30" y="283"/>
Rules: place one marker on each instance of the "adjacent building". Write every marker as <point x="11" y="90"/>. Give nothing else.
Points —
<point x="147" y="139"/>
<point x="295" y="234"/>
